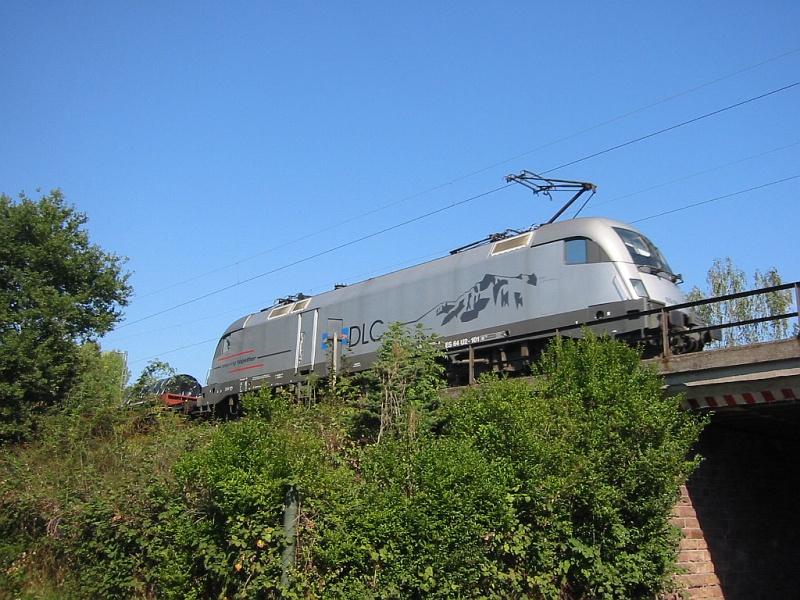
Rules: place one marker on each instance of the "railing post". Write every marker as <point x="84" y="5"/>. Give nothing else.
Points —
<point x="797" y="305"/>
<point x="290" y="506"/>
<point x="335" y="356"/>
<point x="471" y="365"/>
<point x="665" y="348"/>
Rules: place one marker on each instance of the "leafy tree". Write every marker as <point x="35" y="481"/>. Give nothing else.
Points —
<point x="57" y="290"/>
<point x="154" y="371"/>
<point x="723" y="278"/>
<point x="408" y="378"/>
<point x="101" y="378"/>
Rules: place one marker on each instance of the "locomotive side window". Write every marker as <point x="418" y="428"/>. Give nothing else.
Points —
<point x="576" y="252"/>
<point x="224" y="345"/>
<point x="580" y="251"/>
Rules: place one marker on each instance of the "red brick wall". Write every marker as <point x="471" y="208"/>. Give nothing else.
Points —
<point x="740" y="515"/>
<point x="694" y="558"/>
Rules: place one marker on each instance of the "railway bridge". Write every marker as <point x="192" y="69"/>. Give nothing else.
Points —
<point x="739" y="511"/>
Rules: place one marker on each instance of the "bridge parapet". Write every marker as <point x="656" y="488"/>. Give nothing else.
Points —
<point x="741" y="376"/>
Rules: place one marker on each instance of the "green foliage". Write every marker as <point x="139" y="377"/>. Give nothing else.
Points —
<point x="100" y="376"/>
<point x="596" y="456"/>
<point x="406" y="379"/>
<point x="154" y="371"/>
<point x="237" y="485"/>
<point x="81" y="508"/>
<point x="435" y="523"/>
<point x="725" y="278"/>
<point x="56" y="290"/>
<point x="556" y="489"/>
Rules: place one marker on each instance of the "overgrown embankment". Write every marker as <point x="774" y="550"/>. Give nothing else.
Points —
<point x="558" y="490"/>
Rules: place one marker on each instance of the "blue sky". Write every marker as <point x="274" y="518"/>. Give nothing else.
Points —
<point x="204" y="139"/>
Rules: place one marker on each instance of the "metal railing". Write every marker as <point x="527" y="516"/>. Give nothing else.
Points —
<point x="727" y="297"/>
<point x="667" y="334"/>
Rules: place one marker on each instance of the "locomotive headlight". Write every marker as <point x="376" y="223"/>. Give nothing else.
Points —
<point x="639" y="288"/>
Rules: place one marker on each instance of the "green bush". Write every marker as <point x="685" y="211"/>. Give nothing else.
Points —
<point x="79" y="505"/>
<point x="596" y="455"/>
<point x="555" y="489"/>
<point x="429" y="523"/>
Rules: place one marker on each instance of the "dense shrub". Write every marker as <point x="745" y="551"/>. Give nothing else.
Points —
<point x="79" y="505"/>
<point x="430" y="521"/>
<point x="596" y="456"/>
<point x="557" y="489"/>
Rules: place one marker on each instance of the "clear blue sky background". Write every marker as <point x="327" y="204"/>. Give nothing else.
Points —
<point x="198" y="136"/>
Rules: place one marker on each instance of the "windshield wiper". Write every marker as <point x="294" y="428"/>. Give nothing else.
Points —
<point x="661" y="273"/>
<point x="673" y="277"/>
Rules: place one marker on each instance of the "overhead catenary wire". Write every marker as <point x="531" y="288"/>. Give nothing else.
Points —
<point x="480" y="170"/>
<point x="252" y="306"/>
<point x="458" y="203"/>
<point x="318" y="254"/>
<point x="656" y="186"/>
<point x="715" y="199"/>
<point x="165" y="352"/>
<point x="629" y="114"/>
<point x="238" y="311"/>
<point x="383" y="269"/>
<point x="671" y="127"/>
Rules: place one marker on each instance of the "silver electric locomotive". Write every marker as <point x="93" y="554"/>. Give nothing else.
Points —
<point x="492" y="305"/>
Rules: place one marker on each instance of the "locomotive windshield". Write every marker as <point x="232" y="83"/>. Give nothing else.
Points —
<point x="645" y="254"/>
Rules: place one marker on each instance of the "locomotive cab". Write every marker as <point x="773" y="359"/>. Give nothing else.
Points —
<point x="656" y="284"/>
